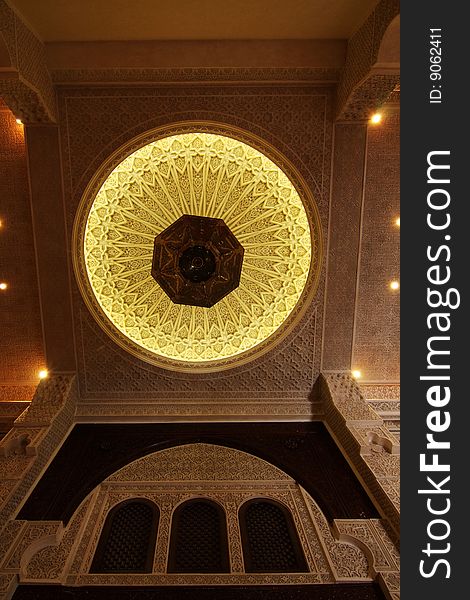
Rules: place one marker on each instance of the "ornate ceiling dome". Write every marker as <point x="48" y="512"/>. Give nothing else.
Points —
<point x="204" y="175"/>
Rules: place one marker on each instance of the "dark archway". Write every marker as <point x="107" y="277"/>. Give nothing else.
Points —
<point x="127" y="541"/>
<point x="198" y="542"/>
<point x="270" y="540"/>
<point x="305" y="451"/>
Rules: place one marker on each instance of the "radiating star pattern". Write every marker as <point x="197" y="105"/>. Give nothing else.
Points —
<point x="207" y="175"/>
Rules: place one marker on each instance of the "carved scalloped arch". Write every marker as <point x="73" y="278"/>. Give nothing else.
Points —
<point x="199" y="462"/>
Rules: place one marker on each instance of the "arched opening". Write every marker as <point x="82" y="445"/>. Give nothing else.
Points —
<point x="127" y="542"/>
<point x="270" y="540"/>
<point x="198" y="541"/>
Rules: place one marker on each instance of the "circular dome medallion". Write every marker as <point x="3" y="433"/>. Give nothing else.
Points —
<point x="201" y="174"/>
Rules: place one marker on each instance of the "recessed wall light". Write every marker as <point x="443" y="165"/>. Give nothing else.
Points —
<point x="43" y="374"/>
<point x="3" y="285"/>
<point x="19" y="121"/>
<point x="356" y="374"/>
<point x="376" y="118"/>
<point x="394" y="285"/>
<point x="397" y="221"/>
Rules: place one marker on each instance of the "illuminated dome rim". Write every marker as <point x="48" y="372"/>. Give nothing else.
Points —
<point x="154" y="135"/>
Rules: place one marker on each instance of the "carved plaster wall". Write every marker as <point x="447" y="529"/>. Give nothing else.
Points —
<point x="371" y="447"/>
<point x="25" y="83"/>
<point x="354" y="550"/>
<point x="21" y="346"/>
<point x="361" y="88"/>
<point x="24" y="453"/>
<point x="296" y="121"/>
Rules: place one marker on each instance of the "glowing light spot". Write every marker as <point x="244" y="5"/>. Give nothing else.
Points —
<point x="3" y="285"/>
<point x="356" y="374"/>
<point x="394" y="285"/>
<point x="43" y="374"/>
<point x="376" y="118"/>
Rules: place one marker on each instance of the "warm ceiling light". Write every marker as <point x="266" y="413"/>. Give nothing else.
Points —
<point x="43" y="374"/>
<point x="394" y="285"/>
<point x="356" y="374"/>
<point x="376" y="118"/>
<point x="3" y="285"/>
<point x="19" y="121"/>
<point x="397" y="221"/>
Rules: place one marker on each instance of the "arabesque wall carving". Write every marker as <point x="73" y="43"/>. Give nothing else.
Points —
<point x="35" y="436"/>
<point x="370" y="446"/>
<point x="355" y="550"/>
<point x="360" y="90"/>
<point x="27" y="85"/>
<point x="296" y="120"/>
<point x="24" y="453"/>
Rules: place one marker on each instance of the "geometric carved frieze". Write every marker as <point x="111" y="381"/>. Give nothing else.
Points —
<point x="328" y="559"/>
<point x="199" y="462"/>
<point x="267" y="409"/>
<point x="311" y="75"/>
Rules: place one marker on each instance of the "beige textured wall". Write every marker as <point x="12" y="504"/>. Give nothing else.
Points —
<point x="376" y="342"/>
<point x="21" y="348"/>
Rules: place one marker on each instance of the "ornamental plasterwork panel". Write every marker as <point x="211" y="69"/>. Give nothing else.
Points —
<point x="33" y="535"/>
<point x="384" y="465"/>
<point x="384" y="556"/>
<point x="29" y="94"/>
<point x="347" y="561"/>
<point x="10" y="533"/>
<point x="372" y="535"/>
<point x="36" y="434"/>
<point x="197" y="74"/>
<point x="196" y="462"/>
<point x="328" y="559"/>
<point x="201" y="174"/>
<point x="50" y="561"/>
<point x="269" y="409"/>
<point x="375" y="457"/>
<point x="99" y="123"/>
<point x="378" y="393"/>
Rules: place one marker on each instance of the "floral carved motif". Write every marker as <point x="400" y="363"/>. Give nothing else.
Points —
<point x="199" y="462"/>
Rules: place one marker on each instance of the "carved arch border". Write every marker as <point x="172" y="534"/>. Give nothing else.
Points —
<point x="332" y="556"/>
